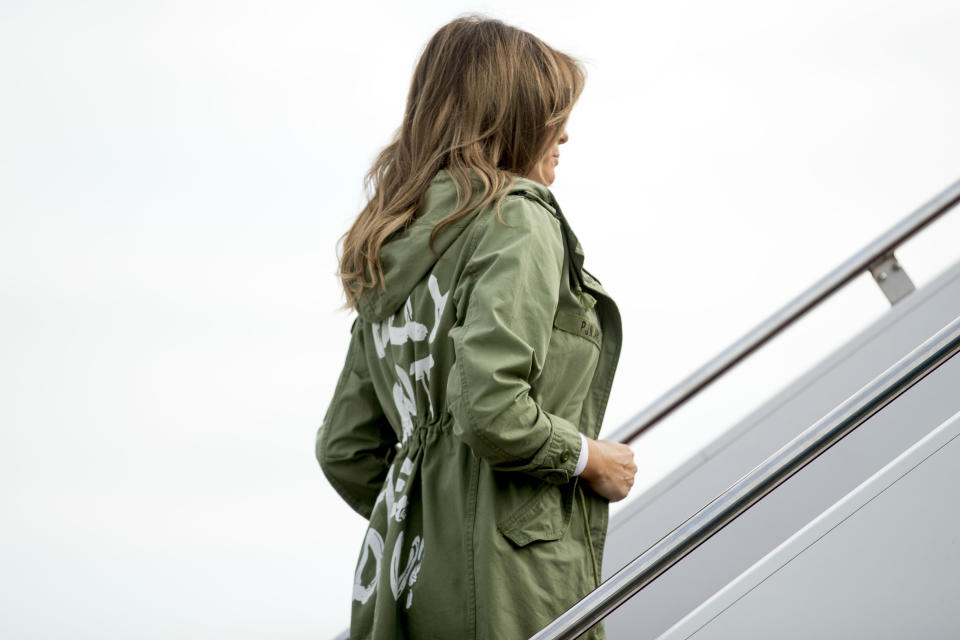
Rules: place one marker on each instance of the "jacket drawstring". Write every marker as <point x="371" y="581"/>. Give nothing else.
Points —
<point x="586" y="531"/>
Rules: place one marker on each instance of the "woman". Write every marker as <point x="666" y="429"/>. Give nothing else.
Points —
<point x="481" y="360"/>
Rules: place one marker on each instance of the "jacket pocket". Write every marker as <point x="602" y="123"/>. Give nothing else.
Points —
<point x="544" y="516"/>
<point x="579" y="324"/>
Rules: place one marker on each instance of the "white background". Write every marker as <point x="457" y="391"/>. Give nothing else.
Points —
<point x="174" y="177"/>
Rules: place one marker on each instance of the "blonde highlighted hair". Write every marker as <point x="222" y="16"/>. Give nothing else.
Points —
<point x="486" y="97"/>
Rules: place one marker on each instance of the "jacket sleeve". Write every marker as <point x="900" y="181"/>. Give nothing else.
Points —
<point x="506" y="299"/>
<point x="355" y="442"/>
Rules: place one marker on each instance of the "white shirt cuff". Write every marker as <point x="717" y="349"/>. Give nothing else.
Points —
<point x="584" y="454"/>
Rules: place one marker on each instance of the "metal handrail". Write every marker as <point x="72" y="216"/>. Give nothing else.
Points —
<point x="772" y="326"/>
<point x="753" y="486"/>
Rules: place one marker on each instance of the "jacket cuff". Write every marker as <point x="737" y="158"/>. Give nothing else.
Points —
<point x="563" y="451"/>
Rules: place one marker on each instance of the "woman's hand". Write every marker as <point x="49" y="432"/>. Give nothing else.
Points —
<point x="610" y="469"/>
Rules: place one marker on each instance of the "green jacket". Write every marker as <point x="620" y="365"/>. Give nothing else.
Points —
<point x="454" y="426"/>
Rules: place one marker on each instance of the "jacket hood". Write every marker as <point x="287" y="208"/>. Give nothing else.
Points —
<point x="407" y="258"/>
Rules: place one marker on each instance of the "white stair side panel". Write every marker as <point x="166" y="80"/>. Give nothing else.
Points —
<point x="883" y="562"/>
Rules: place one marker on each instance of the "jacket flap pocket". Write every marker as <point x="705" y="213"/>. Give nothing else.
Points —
<point x="578" y="325"/>
<point x="545" y="516"/>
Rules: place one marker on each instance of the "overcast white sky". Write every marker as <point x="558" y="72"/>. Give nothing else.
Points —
<point x="174" y="177"/>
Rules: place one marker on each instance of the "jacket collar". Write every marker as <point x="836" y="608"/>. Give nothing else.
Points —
<point x="407" y="259"/>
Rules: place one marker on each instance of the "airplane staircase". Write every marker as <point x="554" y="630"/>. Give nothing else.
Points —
<point x="830" y="510"/>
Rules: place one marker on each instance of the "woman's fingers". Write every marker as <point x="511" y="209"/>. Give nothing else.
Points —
<point x="610" y="469"/>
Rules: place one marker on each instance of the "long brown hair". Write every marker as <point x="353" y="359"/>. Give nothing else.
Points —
<point x="486" y="97"/>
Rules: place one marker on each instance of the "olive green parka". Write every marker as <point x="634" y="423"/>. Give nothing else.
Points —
<point x="454" y="426"/>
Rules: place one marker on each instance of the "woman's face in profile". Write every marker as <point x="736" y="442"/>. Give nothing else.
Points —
<point x="543" y="171"/>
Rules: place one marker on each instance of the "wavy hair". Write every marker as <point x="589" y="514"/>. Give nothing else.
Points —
<point x="485" y="97"/>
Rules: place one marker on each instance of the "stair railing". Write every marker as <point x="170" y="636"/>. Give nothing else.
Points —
<point x="877" y="257"/>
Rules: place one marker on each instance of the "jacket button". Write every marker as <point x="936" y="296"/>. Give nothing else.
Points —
<point x="564" y="455"/>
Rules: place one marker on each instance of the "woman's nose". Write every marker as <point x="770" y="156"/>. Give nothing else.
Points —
<point x="563" y="138"/>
